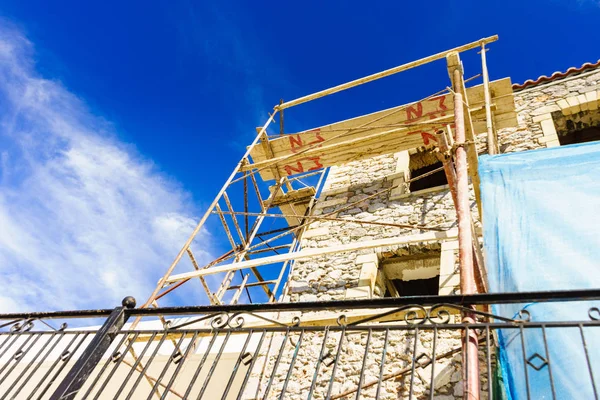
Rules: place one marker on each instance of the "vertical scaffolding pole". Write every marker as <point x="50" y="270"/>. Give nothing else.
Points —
<point x="446" y="159"/>
<point x="470" y="357"/>
<point x="491" y="139"/>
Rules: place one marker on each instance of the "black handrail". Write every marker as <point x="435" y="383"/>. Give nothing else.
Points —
<point x="457" y="299"/>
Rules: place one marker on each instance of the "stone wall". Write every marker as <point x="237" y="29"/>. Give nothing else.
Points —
<point x="363" y="190"/>
<point x="296" y="370"/>
<point x="572" y="96"/>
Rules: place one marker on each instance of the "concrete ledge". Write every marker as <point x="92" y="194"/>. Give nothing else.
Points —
<point x="365" y="258"/>
<point x="420" y="192"/>
<point x="543" y="117"/>
<point x="358" y="293"/>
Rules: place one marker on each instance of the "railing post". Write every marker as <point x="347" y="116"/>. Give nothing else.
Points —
<point x="72" y="383"/>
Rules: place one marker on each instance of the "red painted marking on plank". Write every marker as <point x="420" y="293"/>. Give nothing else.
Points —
<point x="317" y="161"/>
<point x="303" y="165"/>
<point x="428" y="138"/>
<point x="424" y="109"/>
<point x="318" y="138"/>
<point x="414" y="113"/>
<point x="289" y="170"/>
<point x="295" y="142"/>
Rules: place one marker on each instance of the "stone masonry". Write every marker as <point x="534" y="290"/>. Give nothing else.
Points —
<point x="373" y="190"/>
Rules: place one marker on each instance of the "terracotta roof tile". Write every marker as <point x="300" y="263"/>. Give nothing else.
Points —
<point x="555" y="76"/>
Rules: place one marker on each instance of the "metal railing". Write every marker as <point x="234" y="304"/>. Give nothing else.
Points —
<point x="381" y="348"/>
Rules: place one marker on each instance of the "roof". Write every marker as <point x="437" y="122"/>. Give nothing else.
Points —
<point x="556" y="76"/>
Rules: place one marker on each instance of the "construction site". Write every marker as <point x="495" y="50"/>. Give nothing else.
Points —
<point x="441" y="249"/>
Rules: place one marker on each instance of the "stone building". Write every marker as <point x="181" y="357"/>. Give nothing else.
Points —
<point x="408" y="247"/>
<point x="551" y="111"/>
<point x="559" y="110"/>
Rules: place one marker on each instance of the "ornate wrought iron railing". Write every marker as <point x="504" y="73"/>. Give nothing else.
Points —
<point x="382" y="348"/>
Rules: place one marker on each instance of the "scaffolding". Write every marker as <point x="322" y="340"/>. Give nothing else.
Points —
<point x="293" y="162"/>
<point x="295" y="165"/>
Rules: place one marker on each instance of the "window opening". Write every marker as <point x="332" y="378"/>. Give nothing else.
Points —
<point x="421" y="163"/>
<point x="589" y="134"/>
<point x="416" y="287"/>
<point x="412" y="275"/>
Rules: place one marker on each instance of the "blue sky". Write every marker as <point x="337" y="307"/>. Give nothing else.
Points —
<point x="119" y="121"/>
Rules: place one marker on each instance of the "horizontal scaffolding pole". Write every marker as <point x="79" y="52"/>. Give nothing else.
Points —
<point x="252" y="284"/>
<point x="383" y="74"/>
<point x="338" y="219"/>
<point x="423" y="237"/>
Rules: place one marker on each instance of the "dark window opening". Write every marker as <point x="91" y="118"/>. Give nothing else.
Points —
<point x="430" y="181"/>
<point x="590" y="134"/>
<point x="415" y="287"/>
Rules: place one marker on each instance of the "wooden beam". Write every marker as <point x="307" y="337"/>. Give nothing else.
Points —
<point x="454" y="63"/>
<point x="238" y="293"/>
<point x="209" y="294"/>
<point x="422" y="111"/>
<point x="265" y="145"/>
<point x="388" y="131"/>
<point x="491" y="137"/>
<point x="279" y="198"/>
<point x="252" y="284"/>
<point x="293" y="204"/>
<point x="385" y="73"/>
<point x="309" y="253"/>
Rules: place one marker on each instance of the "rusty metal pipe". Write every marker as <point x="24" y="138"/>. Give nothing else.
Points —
<point x="447" y="163"/>
<point x="450" y="172"/>
<point x="465" y="249"/>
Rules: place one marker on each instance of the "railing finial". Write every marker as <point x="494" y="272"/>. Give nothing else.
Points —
<point x="128" y="302"/>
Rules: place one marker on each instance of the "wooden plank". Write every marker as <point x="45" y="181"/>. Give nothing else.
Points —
<point x="318" y="157"/>
<point x="421" y="111"/>
<point x="298" y="210"/>
<point x="291" y="203"/>
<point x="238" y="293"/>
<point x="309" y="253"/>
<point x="356" y="137"/>
<point x="265" y="145"/>
<point x="302" y="195"/>
<point x="382" y="74"/>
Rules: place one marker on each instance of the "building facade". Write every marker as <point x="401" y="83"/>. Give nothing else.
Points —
<point x="551" y="111"/>
<point x="383" y="228"/>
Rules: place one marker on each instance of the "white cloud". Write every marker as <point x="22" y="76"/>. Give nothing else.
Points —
<point x="84" y="220"/>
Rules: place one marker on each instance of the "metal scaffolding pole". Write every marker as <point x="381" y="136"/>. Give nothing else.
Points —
<point x="470" y="356"/>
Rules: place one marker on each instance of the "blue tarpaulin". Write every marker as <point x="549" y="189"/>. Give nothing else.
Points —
<point x="541" y="217"/>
